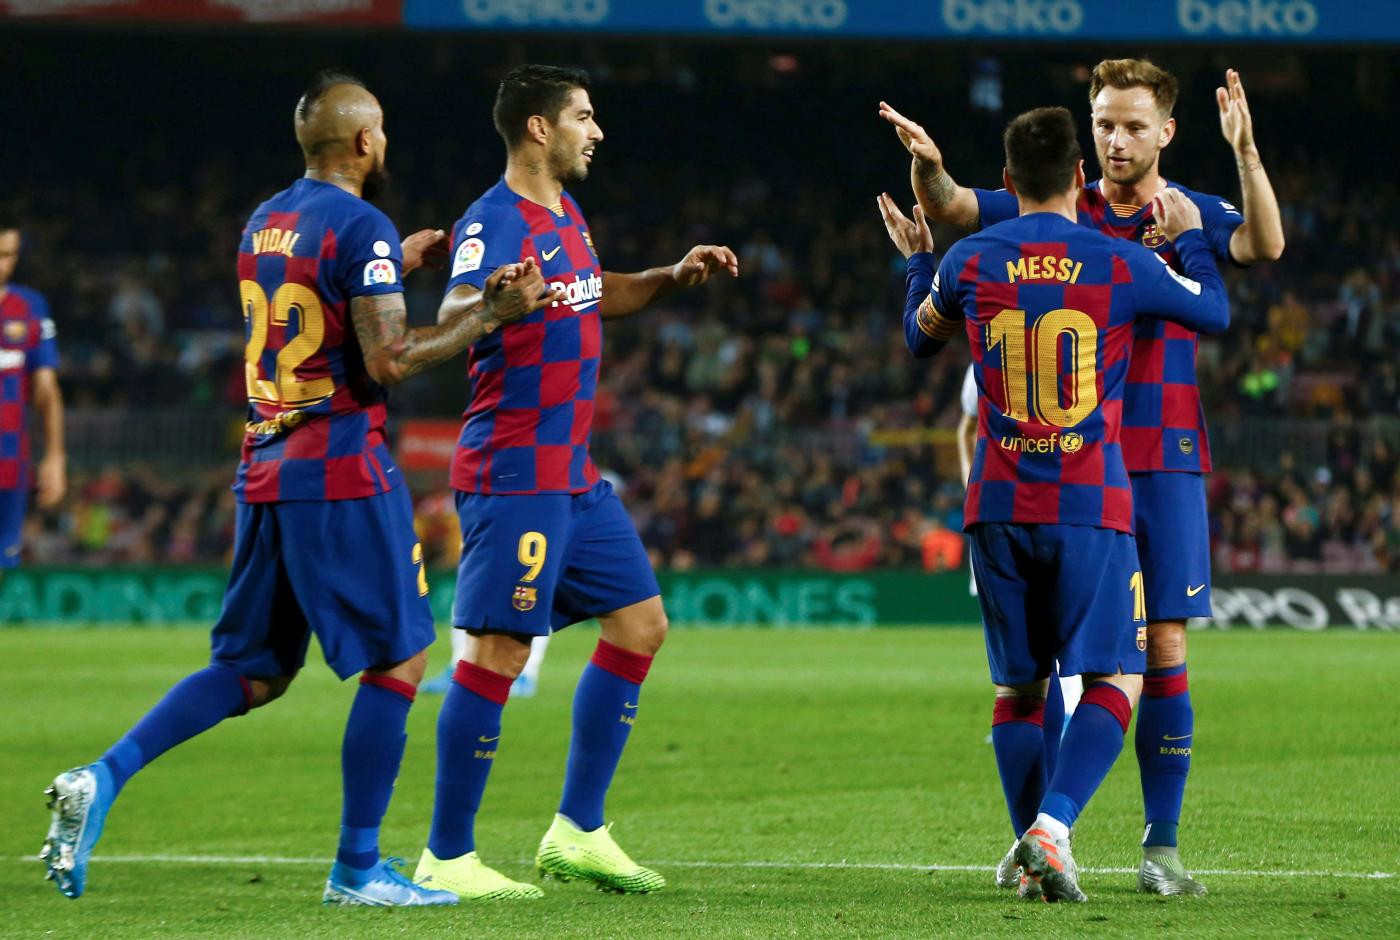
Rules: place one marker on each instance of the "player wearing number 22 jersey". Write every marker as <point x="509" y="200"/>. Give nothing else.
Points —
<point x="1049" y="308"/>
<point x="325" y="540"/>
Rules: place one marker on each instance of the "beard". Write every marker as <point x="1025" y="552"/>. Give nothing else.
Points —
<point x="376" y="181"/>
<point x="568" y="168"/>
<point x="1126" y="176"/>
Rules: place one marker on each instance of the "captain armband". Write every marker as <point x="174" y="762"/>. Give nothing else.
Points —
<point x="934" y="324"/>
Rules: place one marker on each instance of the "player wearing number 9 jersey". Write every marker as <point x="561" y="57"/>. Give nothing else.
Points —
<point x="325" y="539"/>
<point x="1049" y="308"/>
<point x="545" y="541"/>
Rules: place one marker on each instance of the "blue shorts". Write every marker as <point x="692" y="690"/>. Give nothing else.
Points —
<point x="349" y="570"/>
<point x="536" y="563"/>
<point x="1063" y="592"/>
<point x="13" y="505"/>
<point x="1173" y="537"/>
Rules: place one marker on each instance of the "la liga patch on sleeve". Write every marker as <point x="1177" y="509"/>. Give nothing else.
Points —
<point x="468" y="257"/>
<point x="380" y="271"/>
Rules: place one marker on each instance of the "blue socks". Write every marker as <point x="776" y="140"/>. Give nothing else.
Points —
<point x="605" y="706"/>
<point x="1165" y="727"/>
<point x="370" y="756"/>
<point x="468" y="730"/>
<point x="195" y="704"/>
<point x="1091" y="745"/>
<point x="1018" y="738"/>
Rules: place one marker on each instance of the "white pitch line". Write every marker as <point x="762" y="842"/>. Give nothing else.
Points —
<point x="861" y="866"/>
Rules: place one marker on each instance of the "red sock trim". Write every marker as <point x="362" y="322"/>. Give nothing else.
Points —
<point x="1164" y="686"/>
<point x="1015" y="708"/>
<point x="1111" y="700"/>
<point x="407" y="689"/>
<point x="247" y="695"/>
<point x="491" y="686"/>
<point x="622" y="663"/>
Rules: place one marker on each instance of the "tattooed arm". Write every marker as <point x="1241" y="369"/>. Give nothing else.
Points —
<point x="393" y="352"/>
<point x="941" y="199"/>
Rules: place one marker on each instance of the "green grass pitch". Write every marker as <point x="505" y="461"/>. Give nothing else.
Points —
<point x="812" y="784"/>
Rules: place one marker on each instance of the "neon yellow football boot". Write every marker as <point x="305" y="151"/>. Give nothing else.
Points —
<point x="567" y="852"/>
<point x="470" y="879"/>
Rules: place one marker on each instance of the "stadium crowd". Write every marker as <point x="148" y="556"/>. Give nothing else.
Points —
<point x="773" y="421"/>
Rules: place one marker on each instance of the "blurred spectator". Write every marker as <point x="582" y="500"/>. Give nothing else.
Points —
<point x="775" y="420"/>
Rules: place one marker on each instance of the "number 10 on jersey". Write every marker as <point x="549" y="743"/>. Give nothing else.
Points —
<point x="1008" y="330"/>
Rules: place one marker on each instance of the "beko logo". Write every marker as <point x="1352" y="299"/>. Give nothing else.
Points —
<point x="1011" y="17"/>
<point x="766" y="14"/>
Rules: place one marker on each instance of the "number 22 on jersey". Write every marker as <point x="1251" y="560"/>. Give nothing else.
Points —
<point x="284" y="389"/>
<point x="1008" y="330"/>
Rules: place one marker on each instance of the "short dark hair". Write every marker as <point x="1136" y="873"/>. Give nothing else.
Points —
<point x="528" y="90"/>
<point x="1042" y="151"/>
<point x="9" y="222"/>
<point x="322" y="82"/>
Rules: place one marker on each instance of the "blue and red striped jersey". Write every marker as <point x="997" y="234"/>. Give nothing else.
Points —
<point x="1164" y="425"/>
<point x="315" y="417"/>
<point x="1049" y="308"/>
<point x="26" y="343"/>
<point x="535" y="380"/>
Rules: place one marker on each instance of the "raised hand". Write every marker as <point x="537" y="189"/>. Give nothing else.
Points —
<point x="515" y="290"/>
<point x="424" y="249"/>
<point x="914" y="138"/>
<point x="1175" y="213"/>
<point x="909" y="236"/>
<point x="1235" y="122"/>
<point x="702" y="261"/>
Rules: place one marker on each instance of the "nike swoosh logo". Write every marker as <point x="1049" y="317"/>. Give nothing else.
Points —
<point x="629" y="705"/>
<point x="1179" y="737"/>
<point x="1193" y="591"/>
<point x="485" y="740"/>
<point x="549" y="255"/>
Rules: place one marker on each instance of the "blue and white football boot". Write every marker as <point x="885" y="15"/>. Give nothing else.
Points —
<point x="381" y="886"/>
<point x="79" y="799"/>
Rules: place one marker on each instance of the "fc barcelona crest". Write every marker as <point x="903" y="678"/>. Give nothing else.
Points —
<point x="16" y="331"/>
<point x="1152" y="236"/>
<point x="524" y="598"/>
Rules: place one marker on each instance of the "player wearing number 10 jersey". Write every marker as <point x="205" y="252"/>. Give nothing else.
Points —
<point x="1165" y="446"/>
<point x="1049" y="308"/>
<point x="325" y="539"/>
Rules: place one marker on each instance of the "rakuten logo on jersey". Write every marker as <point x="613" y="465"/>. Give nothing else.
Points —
<point x="1013" y="17"/>
<point x="766" y="14"/>
<point x="11" y="359"/>
<point x="581" y="293"/>
<point x="536" y="12"/>
<point x="1247" y="17"/>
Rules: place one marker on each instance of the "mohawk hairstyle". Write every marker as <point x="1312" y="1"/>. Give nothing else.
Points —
<point x="322" y="82"/>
